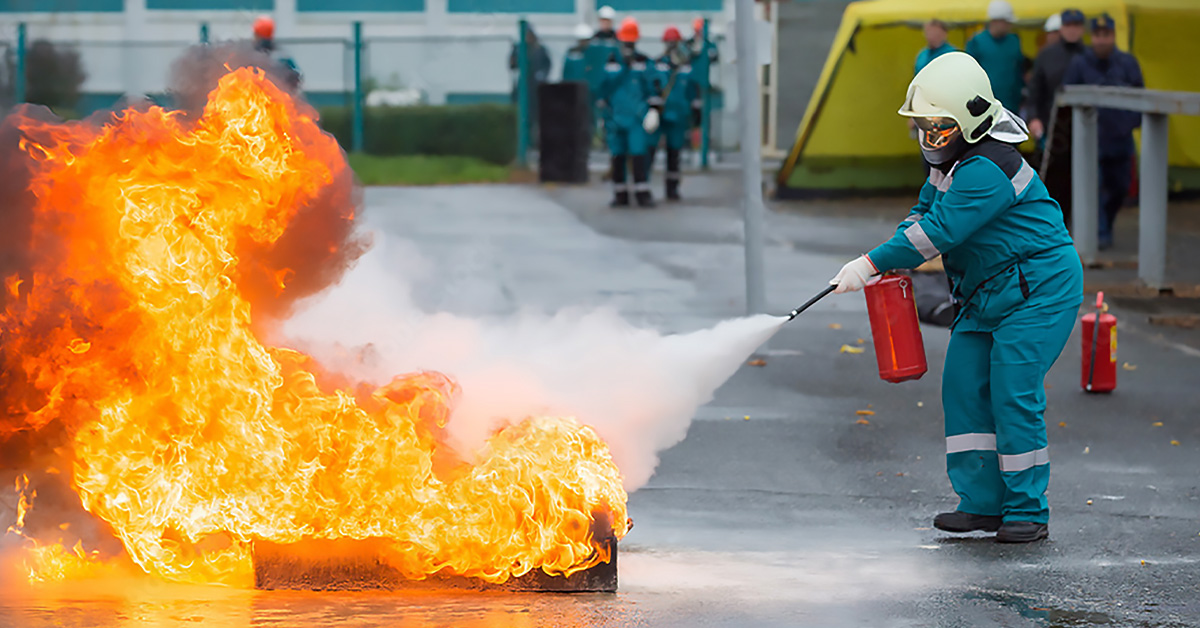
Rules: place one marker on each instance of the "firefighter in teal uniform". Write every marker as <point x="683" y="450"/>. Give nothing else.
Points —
<point x="627" y="93"/>
<point x="673" y="80"/>
<point x="575" y="65"/>
<point x="1018" y="282"/>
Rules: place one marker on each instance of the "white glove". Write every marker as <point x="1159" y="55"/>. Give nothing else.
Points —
<point x="854" y="276"/>
<point x="650" y="122"/>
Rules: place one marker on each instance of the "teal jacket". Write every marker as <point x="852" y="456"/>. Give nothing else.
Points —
<point x="599" y="52"/>
<point x="929" y="54"/>
<point x="628" y="89"/>
<point x="677" y="87"/>
<point x="575" y="66"/>
<point x="1001" y="237"/>
<point x="1004" y="63"/>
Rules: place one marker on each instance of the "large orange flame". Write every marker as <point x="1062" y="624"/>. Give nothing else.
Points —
<point x="191" y="438"/>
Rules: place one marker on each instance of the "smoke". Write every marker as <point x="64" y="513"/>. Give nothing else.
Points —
<point x="637" y="388"/>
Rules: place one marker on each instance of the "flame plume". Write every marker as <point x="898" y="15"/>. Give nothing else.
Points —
<point x="155" y="243"/>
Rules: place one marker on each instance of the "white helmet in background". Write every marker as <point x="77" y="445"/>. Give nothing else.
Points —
<point x="606" y="13"/>
<point x="951" y="101"/>
<point x="1000" y="10"/>
<point x="583" y="31"/>
<point x="1053" y="23"/>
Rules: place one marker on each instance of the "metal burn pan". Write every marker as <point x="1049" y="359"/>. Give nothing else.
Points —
<point x="348" y="565"/>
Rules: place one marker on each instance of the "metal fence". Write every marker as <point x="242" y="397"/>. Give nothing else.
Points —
<point x="398" y="70"/>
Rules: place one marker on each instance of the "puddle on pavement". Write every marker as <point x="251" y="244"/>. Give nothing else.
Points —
<point x="1045" y="615"/>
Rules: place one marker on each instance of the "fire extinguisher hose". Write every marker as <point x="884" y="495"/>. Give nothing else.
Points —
<point x="1095" y="338"/>
<point x="820" y="295"/>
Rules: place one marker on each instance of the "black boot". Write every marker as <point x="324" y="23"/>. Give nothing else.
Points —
<point x="619" y="182"/>
<point x="641" y="181"/>
<point x="673" y="176"/>
<point x="966" y="522"/>
<point x="1022" y="532"/>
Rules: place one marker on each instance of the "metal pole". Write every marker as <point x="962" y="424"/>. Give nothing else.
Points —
<point x="204" y="32"/>
<point x="750" y="114"/>
<point x="705" y="98"/>
<point x="523" y="81"/>
<point x="1152" y="219"/>
<point x="357" y="139"/>
<point x="1085" y="186"/>
<point x="19" y="79"/>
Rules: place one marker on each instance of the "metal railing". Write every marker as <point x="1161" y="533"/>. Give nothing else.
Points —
<point x="1155" y="106"/>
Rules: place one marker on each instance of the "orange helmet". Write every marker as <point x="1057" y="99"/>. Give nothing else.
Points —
<point x="628" y="32"/>
<point x="264" y="27"/>
<point x="698" y="24"/>
<point x="672" y="34"/>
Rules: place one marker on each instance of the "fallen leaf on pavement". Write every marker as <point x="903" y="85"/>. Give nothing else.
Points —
<point x="849" y="349"/>
<point x="862" y="422"/>
<point x="835" y="325"/>
<point x="1062" y="423"/>
<point x="1089" y="502"/>
<point x="861" y="341"/>
<point x="1129" y="367"/>
<point x="1174" y="442"/>
<point x="746" y="418"/>
<point x="864" y="412"/>
<point x="1157" y="424"/>
<point x="920" y="404"/>
<point x="757" y="363"/>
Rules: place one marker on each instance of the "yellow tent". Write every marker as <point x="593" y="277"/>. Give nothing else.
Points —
<point x="851" y="138"/>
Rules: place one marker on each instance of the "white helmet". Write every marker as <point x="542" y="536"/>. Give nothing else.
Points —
<point x="952" y="100"/>
<point x="1000" y="10"/>
<point x="606" y="13"/>
<point x="1053" y="23"/>
<point x="583" y="31"/>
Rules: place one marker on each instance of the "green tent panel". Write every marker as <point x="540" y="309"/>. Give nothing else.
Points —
<point x="851" y="138"/>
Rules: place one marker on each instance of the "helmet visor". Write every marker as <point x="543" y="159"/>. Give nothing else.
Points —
<point x="937" y="133"/>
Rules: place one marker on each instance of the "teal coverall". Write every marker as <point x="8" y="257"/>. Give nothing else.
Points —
<point x="679" y="93"/>
<point x="628" y="93"/>
<point x="1004" y="63"/>
<point x="575" y="65"/>
<point x="1019" y="283"/>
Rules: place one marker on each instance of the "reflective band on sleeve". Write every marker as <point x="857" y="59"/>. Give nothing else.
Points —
<point x="940" y="180"/>
<point x="970" y="442"/>
<point x="916" y="235"/>
<point x="1027" y="460"/>
<point x="1023" y="178"/>
<point x="915" y="216"/>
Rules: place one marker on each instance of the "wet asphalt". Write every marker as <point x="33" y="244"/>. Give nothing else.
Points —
<point x="784" y="506"/>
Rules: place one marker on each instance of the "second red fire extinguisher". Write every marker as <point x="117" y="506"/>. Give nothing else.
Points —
<point x="1099" y="349"/>
<point x="899" y="348"/>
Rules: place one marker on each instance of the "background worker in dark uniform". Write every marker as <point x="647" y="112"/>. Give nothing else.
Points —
<point x="673" y="80"/>
<point x="627" y="93"/>
<point x="1048" y="71"/>
<point x="1103" y="64"/>
<point x="704" y="56"/>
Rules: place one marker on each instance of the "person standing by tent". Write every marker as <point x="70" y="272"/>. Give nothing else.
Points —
<point x="1104" y="64"/>
<point x="1019" y="285"/>
<point x="998" y="51"/>
<point x="1049" y="68"/>
<point x="1051" y="29"/>
<point x="628" y="93"/>
<point x="673" y="81"/>
<point x="935" y="46"/>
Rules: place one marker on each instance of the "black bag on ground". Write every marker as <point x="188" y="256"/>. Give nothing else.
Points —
<point x="932" y="294"/>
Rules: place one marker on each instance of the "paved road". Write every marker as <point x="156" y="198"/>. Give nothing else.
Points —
<point x="799" y="515"/>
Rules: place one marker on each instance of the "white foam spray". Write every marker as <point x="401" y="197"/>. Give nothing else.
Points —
<point x="638" y="388"/>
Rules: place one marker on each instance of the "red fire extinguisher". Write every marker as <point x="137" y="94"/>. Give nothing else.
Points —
<point x="892" y="309"/>
<point x="1099" y="349"/>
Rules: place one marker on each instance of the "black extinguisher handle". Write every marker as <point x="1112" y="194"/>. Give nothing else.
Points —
<point x="820" y="295"/>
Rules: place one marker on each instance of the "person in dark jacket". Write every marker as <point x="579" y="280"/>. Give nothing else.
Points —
<point x="539" y="72"/>
<point x="1048" y="71"/>
<point x="1103" y="64"/>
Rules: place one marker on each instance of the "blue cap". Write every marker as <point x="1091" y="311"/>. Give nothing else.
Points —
<point x="1103" y="22"/>
<point x="1072" y="16"/>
